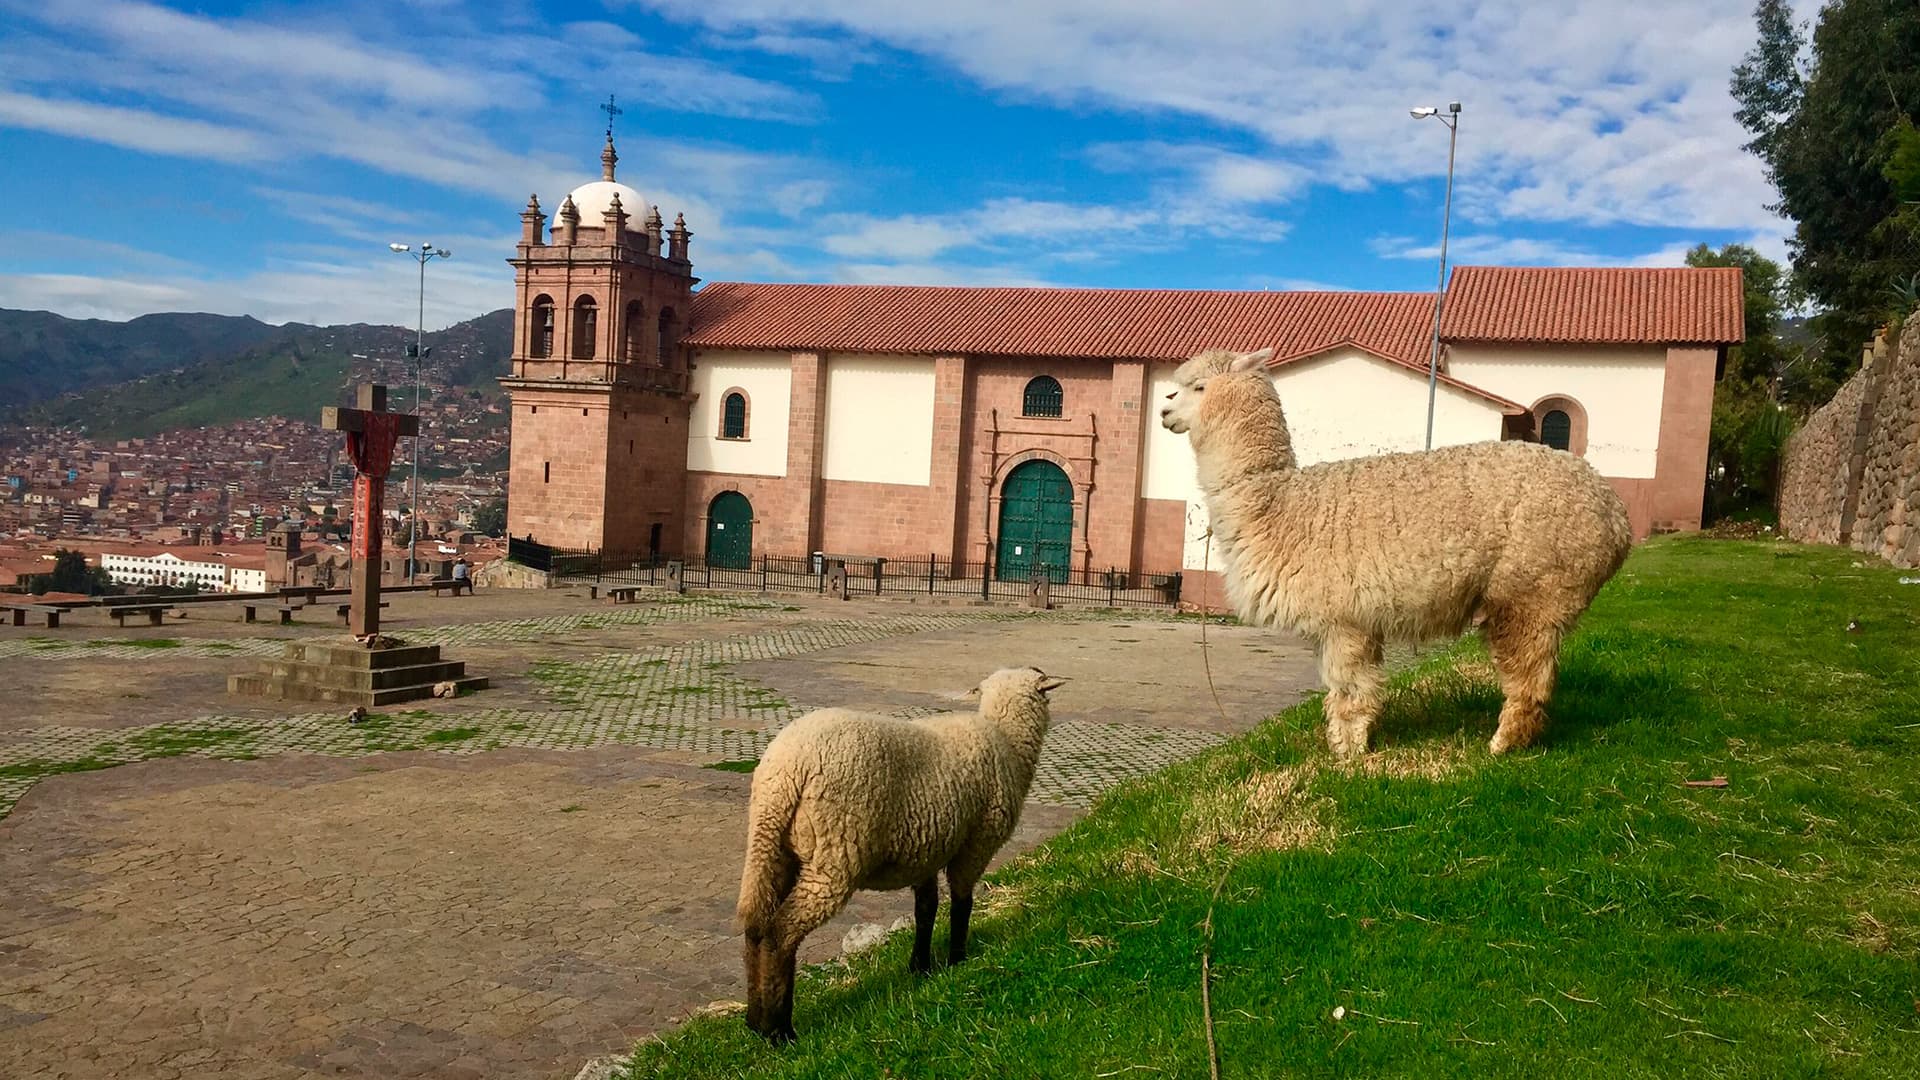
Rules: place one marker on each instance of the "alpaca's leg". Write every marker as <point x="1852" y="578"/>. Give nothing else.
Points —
<point x="926" y="905"/>
<point x="816" y="897"/>
<point x="1350" y="666"/>
<point x="959" y="914"/>
<point x="1526" y="653"/>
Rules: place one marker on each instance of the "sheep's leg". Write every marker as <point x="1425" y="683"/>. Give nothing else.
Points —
<point x="1350" y="666"/>
<point x="817" y="896"/>
<point x="1526" y="653"/>
<point x="926" y="906"/>
<point x="959" y="915"/>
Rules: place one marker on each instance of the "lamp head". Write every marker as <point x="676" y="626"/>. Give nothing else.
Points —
<point x="1453" y="107"/>
<point x="1422" y="112"/>
<point x="398" y="247"/>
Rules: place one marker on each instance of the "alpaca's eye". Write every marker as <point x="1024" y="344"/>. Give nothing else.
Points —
<point x="1173" y="395"/>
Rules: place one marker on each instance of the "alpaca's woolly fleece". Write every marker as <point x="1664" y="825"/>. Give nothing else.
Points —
<point x="1398" y="547"/>
<point x="844" y="800"/>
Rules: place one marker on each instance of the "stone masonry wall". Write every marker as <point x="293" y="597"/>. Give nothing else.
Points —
<point x="1852" y="472"/>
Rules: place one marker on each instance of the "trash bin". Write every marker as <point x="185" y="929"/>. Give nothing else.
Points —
<point x="818" y="568"/>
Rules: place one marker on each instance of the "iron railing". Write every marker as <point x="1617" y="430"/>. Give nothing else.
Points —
<point x="872" y="576"/>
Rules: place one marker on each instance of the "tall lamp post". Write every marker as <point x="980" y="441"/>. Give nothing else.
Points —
<point x="423" y="254"/>
<point x="1451" y="118"/>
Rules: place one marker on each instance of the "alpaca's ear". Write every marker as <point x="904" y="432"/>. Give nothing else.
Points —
<point x="973" y="693"/>
<point x="1051" y="683"/>
<point x="1250" y="361"/>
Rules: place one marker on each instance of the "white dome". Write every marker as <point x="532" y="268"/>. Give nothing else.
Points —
<point x="592" y="200"/>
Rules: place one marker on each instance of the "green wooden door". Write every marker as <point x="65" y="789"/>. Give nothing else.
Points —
<point x="1036" y="523"/>
<point x="730" y="531"/>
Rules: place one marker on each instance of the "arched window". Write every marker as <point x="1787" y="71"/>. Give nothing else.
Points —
<point x="541" y="327"/>
<point x="666" y="337"/>
<point x="1560" y="421"/>
<point x="733" y="415"/>
<point x="1556" y="429"/>
<point x="1043" y="397"/>
<point x="586" y="324"/>
<point x="633" y="327"/>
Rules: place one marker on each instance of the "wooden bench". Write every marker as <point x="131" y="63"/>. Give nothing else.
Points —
<point x="623" y="594"/>
<point x="121" y="612"/>
<point x="455" y="584"/>
<point x="286" y="611"/>
<point x="347" y="609"/>
<point x="51" y="611"/>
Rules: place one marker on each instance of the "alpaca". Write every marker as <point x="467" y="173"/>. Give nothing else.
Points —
<point x="1399" y="547"/>
<point x="844" y="800"/>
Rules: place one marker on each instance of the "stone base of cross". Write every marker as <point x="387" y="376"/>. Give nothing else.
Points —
<point x="372" y="433"/>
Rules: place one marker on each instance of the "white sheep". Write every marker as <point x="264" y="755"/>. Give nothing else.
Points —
<point x="1397" y="547"/>
<point x="844" y="800"/>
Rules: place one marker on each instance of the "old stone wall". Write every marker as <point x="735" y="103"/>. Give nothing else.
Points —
<point x="1852" y="472"/>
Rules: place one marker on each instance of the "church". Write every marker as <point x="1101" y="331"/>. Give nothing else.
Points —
<point x="1016" y="428"/>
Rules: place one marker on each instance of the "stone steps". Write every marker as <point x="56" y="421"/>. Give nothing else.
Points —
<point x="348" y="673"/>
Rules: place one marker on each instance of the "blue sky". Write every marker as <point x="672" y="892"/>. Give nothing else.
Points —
<point x="257" y="158"/>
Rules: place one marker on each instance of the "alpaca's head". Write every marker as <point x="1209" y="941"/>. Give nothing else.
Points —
<point x="1182" y="408"/>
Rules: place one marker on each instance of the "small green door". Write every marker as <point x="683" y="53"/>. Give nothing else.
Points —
<point x="730" y="531"/>
<point x="1036" y="523"/>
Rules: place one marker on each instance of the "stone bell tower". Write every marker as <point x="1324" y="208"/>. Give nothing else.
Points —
<point x="599" y="382"/>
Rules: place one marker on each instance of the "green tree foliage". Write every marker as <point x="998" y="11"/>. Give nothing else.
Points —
<point x="1836" y="145"/>
<point x="71" y="574"/>
<point x="1750" y="422"/>
<point x="491" y="518"/>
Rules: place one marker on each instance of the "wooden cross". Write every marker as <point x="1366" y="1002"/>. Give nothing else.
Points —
<point x="372" y="433"/>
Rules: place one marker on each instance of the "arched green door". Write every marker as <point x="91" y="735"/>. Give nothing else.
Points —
<point x="1036" y="522"/>
<point x="730" y="531"/>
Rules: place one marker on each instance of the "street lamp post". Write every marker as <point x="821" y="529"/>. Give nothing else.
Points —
<point x="1451" y="118"/>
<point x="423" y="254"/>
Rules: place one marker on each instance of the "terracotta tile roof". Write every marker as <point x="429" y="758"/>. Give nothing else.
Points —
<point x="1419" y="368"/>
<point x="1150" y="324"/>
<point x="1676" y="305"/>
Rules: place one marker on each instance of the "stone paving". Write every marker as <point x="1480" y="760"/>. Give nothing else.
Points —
<point x="507" y="884"/>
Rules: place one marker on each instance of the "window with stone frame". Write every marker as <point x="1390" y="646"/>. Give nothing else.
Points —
<point x="1043" y="397"/>
<point x="733" y="415"/>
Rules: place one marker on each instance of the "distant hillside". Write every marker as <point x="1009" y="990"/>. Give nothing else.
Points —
<point x="43" y="355"/>
<point x="293" y="373"/>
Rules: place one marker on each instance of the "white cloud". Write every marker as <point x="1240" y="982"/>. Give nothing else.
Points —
<point x="1575" y="112"/>
<point x="133" y="129"/>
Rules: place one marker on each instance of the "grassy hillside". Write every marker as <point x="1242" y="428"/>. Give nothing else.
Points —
<point x="43" y="355"/>
<point x="1572" y="911"/>
<point x="300" y="370"/>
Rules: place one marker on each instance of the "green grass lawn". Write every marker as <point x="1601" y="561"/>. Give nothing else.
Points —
<point x="1572" y="911"/>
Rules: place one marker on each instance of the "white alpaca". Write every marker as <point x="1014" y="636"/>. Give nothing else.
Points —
<point x="1398" y="547"/>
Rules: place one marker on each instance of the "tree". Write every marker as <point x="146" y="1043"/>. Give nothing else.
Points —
<point x="1750" y="423"/>
<point x="491" y="517"/>
<point x="71" y="574"/>
<point x="1830" y="141"/>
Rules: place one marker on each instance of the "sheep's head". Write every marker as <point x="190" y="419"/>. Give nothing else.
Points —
<point x="1182" y="407"/>
<point x="1028" y="682"/>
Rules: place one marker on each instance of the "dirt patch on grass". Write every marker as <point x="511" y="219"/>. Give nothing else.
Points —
<point x="1422" y="761"/>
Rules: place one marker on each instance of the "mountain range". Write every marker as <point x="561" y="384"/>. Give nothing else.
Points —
<point x="161" y="372"/>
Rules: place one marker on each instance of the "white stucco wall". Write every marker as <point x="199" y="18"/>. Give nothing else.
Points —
<point x="1619" y="387"/>
<point x="767" y="379"/>
<point x="879" y="420"/>
<point x="1344" y="404"/>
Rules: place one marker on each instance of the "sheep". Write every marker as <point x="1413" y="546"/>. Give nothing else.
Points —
<point x="1398" y="547"/>
<point x="844" y="800"/>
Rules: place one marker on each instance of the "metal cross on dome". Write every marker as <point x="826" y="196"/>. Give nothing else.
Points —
<point x="612" y="111"/>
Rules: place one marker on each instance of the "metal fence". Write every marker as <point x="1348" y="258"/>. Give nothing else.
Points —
<point x="865" y="576"/>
